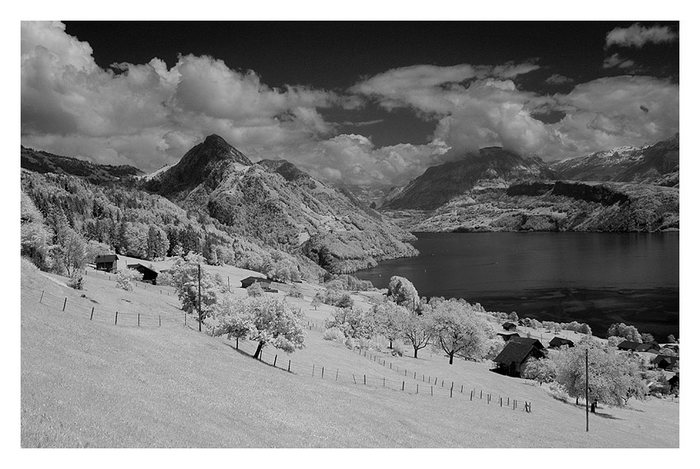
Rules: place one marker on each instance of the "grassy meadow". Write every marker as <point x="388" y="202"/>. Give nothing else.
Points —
<point x="93" y="384"/>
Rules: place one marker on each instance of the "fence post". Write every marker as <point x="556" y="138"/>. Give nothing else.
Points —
<point x="364" y="379"/>
<point x="471" y="395"/>
<point x="442" y="383"/>
<point x="185" y="319"/>
<point x="353" y="378"/>
<point x="313" y="370"/>
<point x="431" y="389"/>
<point x="436" y="381"/>
<point x="323" y="369"/>
<point x="461" y="390"/>
<point x="416" y="388"/>
<point x="138" y="319"/>
<point x="481" y="394"/>
<point x="384" y="382"/>
<point x="92" y="312"/>
<point x="414" y="375"/>
<point x="450" y="392"/>
<point x="64" y="303"/>
<point x="159" y="324"/>
<point x="390" y="365"/>
<point x="508" y="399"/>
<point x="289" y="366"/>
<point x="405" y="372"/>
<point x="403" y="385"/>
<point x="336" y="374"/>
<point x="42" y="296"/>
<point x="116" y="315"/>
<point x="501" y="399"/>
<point x="275" y="362"/>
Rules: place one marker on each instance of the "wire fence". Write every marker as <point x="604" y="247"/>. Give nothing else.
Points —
<point x="403" y="379"/>
<point x="166" y="290"/>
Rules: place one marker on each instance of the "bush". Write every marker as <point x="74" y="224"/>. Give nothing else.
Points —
<point x="295" y="292"/>
<point x="398" y="349"/>
<point x="334" y="334"/>
<point x="125" y="280"/>
<point x="351" y="343"/>
<point x="255" y="290"/>
<point x="345" y="301"/>
<point x="76" y="281"/>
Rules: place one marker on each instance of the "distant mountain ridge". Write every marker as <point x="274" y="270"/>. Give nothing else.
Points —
<point x="45" y="162"/>
<point x="652" y="164"/>
<point x="492" y="165"/>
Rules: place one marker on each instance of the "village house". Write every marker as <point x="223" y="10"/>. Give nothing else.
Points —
<point x="664" y="362"/>
<point x="628" y="346"/>
<point x="560" y="342"/>
<point x="509" y="326"/>
<point x="149" y="275"/>
<point x="248" y="281"/>
<point x="517" y="351"/>
<point x="106" y="262"/>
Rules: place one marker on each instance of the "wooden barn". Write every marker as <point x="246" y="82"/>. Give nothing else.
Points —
<point x="106" y="262"/>
<point x="248" y="281"/>
<point x="560" y="342"/>
<point x="509" y="326"/>
<point x="628" y="345"/>
<point x="665" y="362"/>
<point x="516" y="352"/>
<point x="149" y="275"/>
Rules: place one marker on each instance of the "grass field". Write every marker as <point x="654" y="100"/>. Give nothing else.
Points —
<point x="93" y="384"/>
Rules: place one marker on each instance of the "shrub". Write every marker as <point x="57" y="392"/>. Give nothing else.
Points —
<point x="334" y="334"/>
<point x="255" y="290"/>
<point x="295" y="292"/>
<point x="345" y="301"/>
<point x="125" y="280"/>
<point x="76" y="281"/>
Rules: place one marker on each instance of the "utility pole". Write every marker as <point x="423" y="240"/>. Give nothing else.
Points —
<point x="199" y="304"/>
<point x="586" y="389"/>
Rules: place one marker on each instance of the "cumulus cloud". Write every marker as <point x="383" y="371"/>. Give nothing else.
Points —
<point x="617" y="61"/>
<point x="557" y="79"/>
<point x="638" y="35"/>
<point x="150" y="114"/>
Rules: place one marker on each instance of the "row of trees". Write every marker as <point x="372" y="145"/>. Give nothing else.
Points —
<point x="451" y="326"/>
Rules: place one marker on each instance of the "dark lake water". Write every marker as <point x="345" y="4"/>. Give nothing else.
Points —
<point x="597" y="278"/>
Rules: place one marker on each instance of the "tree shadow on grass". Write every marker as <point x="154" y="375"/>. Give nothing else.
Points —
<point x="246" y="354"/>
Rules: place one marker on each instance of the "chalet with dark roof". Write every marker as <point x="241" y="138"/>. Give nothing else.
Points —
<point x="628" y="346"/>
<point x="248" y="281"/>
<point x="651" y="348"/>
<point x="106" y="262"/>
<point x="512" y="358"/>
<point x="149" y="275"/>
<point x="665" y="362"/>
<point x="509" y="326"/>
<point x="560" y="342"/>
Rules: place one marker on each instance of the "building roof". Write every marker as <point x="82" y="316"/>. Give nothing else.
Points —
<point x="647" y="347"/>
<point x="667" y="358"/>
<point x="528" y="341"/>
<point x="106" y="258"/>
<point x="509" y="325"/>
<point x="248" y="281"/>
<point x="517" y="352"/>
<point x="559" y="341"/>
<point x="508" y="335"/>
<point x="141" y="268"/>
<point x="628" y="345"/>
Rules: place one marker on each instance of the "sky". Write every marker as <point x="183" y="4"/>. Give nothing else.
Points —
<point x="370" y="103"/>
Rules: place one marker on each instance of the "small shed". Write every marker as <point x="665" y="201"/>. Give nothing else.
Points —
<point x="508" y="335"/>
<point x="628" y="345"/>
<point x="652" y="348"/>
<point x="514" y="355"/>
<point x="106" y="262"/>
<point x="149" y="275"/>
<point x="509" y="326"/>
<point x="664" y="362"/>
<point x="248" y="281"/>
<point x="560" y="342"/>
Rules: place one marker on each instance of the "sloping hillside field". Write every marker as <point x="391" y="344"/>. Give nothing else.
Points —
<point x="91" y="383"/>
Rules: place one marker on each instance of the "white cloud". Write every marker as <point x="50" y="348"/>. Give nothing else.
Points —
<point x="557" y="79"/>
<point x="618" y="61"/>
<point x="637" y="36"/>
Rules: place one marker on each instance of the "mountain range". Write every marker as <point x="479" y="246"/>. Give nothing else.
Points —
<point x="271" y="203"/>
<point x="498" y="190"/>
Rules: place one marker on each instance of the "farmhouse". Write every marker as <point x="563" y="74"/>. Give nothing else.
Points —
<point x="516" y="352"/>
<point x="248" y="281"/>
<point x="664" y="362"/>
<point x="149" y="275"/>
<point x="560" y="342"/>
<point x="628" y="345"/>
<point x="106" y="262"/>
<point x="509" y="326"/>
